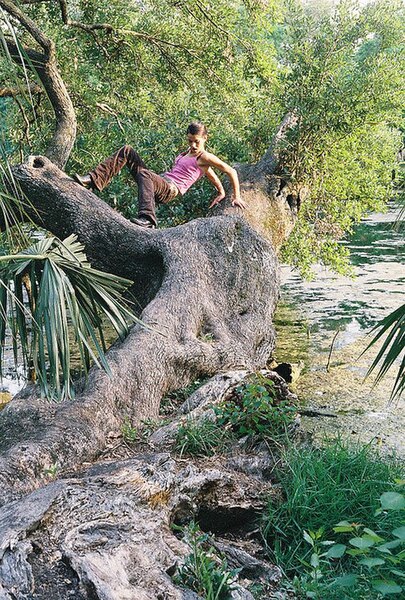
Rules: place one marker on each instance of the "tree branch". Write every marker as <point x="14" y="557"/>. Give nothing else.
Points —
<point x="30" y="25"/>
<point x="12" y="92"/>
<point x="60" y="146"/>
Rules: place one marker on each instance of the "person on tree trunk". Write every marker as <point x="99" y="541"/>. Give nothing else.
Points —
<point x="188" y="168"/>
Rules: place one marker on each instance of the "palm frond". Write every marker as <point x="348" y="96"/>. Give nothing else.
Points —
<point x="393" y="325"/>
<point x="68" y="301"/>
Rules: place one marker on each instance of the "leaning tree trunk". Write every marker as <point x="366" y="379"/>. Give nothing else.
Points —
<point x="205" y="290"/>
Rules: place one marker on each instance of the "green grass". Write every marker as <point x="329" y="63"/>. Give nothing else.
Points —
<point x="320" y="488"/>
<point x="201" y="438"/>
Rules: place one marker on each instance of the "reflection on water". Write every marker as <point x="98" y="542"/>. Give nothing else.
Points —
<point x="352" y="305"/>
<point x="311" y="313"/>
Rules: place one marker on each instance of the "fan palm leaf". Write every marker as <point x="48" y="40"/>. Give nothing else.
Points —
<point x="49" y="293"/>
<point x="393" y="326"/>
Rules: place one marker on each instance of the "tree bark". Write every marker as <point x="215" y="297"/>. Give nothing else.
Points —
<point x="105" y="533"/>
<point x="206" y="291"/>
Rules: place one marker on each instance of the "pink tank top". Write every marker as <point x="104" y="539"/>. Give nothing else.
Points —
<point x="184" y="172"/>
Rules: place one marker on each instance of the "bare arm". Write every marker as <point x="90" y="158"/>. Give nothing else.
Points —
<point x="207" y="160"/>
<point x="211" y="175"/>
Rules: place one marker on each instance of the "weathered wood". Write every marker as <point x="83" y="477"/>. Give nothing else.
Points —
<point x="105" y="533"/>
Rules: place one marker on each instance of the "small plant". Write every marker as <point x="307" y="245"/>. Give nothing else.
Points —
<point x="319" y="488"/>
<point x="133" y="435"/>
<point x="204" y="571"/>
<point x="53" y="470"/>
<point x="129" y="433"/>
<point x="361" y="559"/>
<point x="201" y="438"/>
<point x="256" y="410"/>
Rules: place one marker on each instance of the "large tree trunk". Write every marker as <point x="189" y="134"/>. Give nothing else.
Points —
<point x="206" y="292"/>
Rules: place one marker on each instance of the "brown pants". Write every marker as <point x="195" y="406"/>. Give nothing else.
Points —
<point x="152" y="188"/>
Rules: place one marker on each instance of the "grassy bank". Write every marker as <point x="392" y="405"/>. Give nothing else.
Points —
<point x="338" y="531"/>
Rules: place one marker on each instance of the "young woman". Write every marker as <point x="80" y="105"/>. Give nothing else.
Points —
<point x="188" y="168"/>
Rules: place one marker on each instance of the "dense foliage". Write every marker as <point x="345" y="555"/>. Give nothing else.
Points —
<point x="144" y="70"/>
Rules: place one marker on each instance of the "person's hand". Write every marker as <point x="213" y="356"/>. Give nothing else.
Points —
<point x="237" y="201"/>
<point x="217" y="199"/>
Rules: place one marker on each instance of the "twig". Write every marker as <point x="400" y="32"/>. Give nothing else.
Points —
<point x="105" y="108"/>
<point x="331" y="349"/>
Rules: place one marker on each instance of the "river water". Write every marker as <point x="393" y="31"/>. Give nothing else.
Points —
<point x="327" y="320"/>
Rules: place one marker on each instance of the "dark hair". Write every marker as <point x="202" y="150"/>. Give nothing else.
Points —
<point x="196" y="128"/>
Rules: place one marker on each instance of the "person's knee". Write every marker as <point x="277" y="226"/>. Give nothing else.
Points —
<point x="144" y="173"/>
<point x="127" y="149"/>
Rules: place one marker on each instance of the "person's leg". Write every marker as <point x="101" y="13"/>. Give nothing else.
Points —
<point x="146" y="195"/>
<point x="111" y="166"/>
<point x="152" y="188"/>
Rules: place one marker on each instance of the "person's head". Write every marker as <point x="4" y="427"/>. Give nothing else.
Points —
<point x="197" y="135"/>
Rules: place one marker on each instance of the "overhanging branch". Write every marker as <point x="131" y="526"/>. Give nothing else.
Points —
<point x="12" y="92"/>
<point x="30" y="26"/>
<point x="44" y="65"/>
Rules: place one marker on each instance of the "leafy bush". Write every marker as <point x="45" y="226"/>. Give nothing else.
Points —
<point x="255" y="410"/>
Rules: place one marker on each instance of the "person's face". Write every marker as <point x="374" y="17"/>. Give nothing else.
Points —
<point x="196" y="142"/>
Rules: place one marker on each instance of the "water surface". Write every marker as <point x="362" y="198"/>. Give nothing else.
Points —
<point x="327" y="320"/>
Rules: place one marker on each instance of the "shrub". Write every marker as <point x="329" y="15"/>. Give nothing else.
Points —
<point x="255" y="410"/>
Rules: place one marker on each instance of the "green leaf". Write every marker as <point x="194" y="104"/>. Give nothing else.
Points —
<point x="399" y="573"/>
<point x="388" y="546"/>
<point x="370" y="534"/>
<point x="357" y="551"/>
<point x="392" y="501"/>
<point x="348" y="580"/>
<point x="361" y="543"/>
<point x="314" y="560"/>
<point x="399" y="533"/>
<point x="392" y="347"/>
<point x="343" y="529"/>
<point x="386" y="587"/>
<point x="308" y="538"/>
<point x="336" y="551"/>
<point x="371" y="562"/>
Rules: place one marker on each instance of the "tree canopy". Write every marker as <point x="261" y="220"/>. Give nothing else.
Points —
<point x="138" y="72"/>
